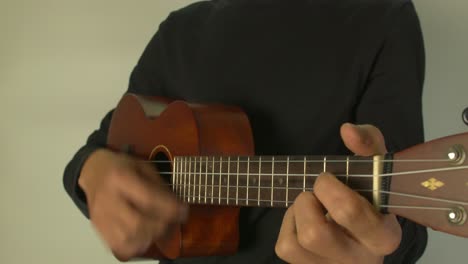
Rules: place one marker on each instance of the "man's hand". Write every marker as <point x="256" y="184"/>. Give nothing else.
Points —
<point x="352" y="231"/>
<point x="129" y="204"/>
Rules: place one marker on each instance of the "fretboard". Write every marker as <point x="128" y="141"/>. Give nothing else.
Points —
<point x="263" y="181"/>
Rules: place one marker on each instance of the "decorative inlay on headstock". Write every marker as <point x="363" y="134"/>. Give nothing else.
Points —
<point x="432" y="184"/>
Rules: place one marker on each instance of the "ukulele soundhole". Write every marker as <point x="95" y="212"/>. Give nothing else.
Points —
<point x="162" y="164"/>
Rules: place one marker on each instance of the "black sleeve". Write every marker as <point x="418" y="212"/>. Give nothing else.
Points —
<point x="146" y="78"/>
<point x="392" y="101"/>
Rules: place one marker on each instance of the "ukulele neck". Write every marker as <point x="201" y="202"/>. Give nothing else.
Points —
<point x="272" y="181"/>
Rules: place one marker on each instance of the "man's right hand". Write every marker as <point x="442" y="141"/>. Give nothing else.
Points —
<point x="128" y="202"/>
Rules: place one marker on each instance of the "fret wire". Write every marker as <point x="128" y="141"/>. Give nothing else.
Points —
<point x="347" y="169"/>
<point x="220" y="172"/>
<point x="259" y="177"/>
<point x="287" y="181"/>
<point x="199" y="179"/>
<point x="325" y="164"/>
<point x="189" y="178"/>
<point x="174" y="176"/>
<point x="228" y="178"/>
<point x="185" y="178"/>
<point x="248" y="169"/>
<point x="180" y="178"/>
<point x="212" y="180"/>
<point x="305" y="168"/>
<point x="237" y="185"/>
<point x="206" y="176"/>
<point x="194" y="180"/>
<point x="272" y="180"/>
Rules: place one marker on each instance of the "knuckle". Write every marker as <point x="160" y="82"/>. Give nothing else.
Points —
<point x="310" y="238"/>
<point x="123" y="252"/>
<point x="121" y="249"/>
<point x="114" y="178"/>
<point x="303" y="199"/>
<point x="284" y="249"/>
<point x="126" y="248"/>
<point x="350" y="212"/>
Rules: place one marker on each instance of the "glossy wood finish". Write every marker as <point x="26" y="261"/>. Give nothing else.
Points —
<point x="449" y="182"/>
<point x="186" y="130"/>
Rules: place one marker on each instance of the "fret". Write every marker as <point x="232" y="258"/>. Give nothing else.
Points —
<point x="185" y="178"/>
<point x="220" y="173"/>
<point x="206" y="176"/>
<point x="180" y="178"/>
<point x="194" y="180"/>
<point x="325" y="164"/>
<point x="247" y="190"/>
<point x="272" y="179"/>
<point x="200" y="181"/>
<point x="189" y="179"/>
<point x="287" y="181"/>
<point x="347" y="169"/>
<point x="305" y="168"/>
<point x="237" y="183"/>
<point x="212" y="180"/>
<point x="259" y="178"/>
<point x="173" y="176"/>
<point x="228" y="180"/>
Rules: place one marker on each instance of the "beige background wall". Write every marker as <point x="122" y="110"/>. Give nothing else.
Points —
<point x="63" y="64"/>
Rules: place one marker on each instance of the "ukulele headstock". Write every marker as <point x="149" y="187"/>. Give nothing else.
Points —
<point x="430" y="184"/>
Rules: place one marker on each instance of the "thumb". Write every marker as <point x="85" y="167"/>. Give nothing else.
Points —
<point x="363" y="140"/>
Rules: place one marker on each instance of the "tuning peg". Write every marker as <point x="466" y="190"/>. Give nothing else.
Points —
<point x="465" y="116"/>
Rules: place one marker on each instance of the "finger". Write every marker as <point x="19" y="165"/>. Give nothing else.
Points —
<point x="139" y="229"/>
<point x="150" y="173"/>
<point x="115" y="225"/>
<point x="317" y="234"/>
<point x="288" y="248"/>
<point x="363" y="140"/>
<point x="381" y="234"/>
<point x="152" y="199"/>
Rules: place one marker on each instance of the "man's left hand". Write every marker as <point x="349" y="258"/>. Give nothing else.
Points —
<point x="353" y="231"/>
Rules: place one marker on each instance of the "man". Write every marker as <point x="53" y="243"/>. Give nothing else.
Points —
<point x="299" y="69"/>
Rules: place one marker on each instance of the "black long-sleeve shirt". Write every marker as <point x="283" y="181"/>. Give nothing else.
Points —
<point x="299" y="69"/>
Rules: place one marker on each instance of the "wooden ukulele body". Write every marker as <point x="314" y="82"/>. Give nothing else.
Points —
<point x="148" y="126"/>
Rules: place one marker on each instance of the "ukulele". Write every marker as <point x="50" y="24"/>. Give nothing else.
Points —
<point x="206" y="152"/>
